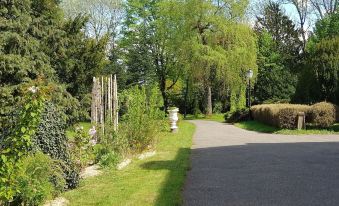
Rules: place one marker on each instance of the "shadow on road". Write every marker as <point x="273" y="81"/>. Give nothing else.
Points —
<point x="262" y="174"/>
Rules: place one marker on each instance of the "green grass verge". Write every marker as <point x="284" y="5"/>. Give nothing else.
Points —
<point x="157" y="180"/>
<point x="213" y="117"/>
<point x="260" y="127"/>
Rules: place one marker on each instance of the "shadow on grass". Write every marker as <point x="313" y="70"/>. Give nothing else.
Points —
<point x="257" y="126"/>
<point x="170" y="193"/>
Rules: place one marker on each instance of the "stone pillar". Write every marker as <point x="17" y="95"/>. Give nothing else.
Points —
<point x="301" y="120"/>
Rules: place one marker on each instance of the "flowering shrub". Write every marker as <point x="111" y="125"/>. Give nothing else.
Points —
<point x="18" y="143"/>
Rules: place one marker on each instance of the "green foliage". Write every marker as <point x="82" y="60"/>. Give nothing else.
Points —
<point x="278" y="56"/>
<point x="36" y="40"/>
<point x="218" y="107"/>
<point x="82" y="147"/>
<point x="39" y="178"/>
<point x="323" y="114"/>
<point x="112" y="145"/>
<point x="152" y="181"/>
<point x="21" y="54"/>
<point x="142" y="120"/>
<point x="285" y="36"/>
<point x="319" y="79"/>
<point x="17" y="145"/>
<point x="237" y="116"/>
<point x="106" y="157"/>
<point x="50" y="138"/>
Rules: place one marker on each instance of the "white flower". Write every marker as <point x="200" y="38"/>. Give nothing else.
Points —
<point x="33" y="89"/>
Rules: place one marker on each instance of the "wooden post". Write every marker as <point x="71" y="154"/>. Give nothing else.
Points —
<point x="301" y="120"/>
<point x="104" y="105"/>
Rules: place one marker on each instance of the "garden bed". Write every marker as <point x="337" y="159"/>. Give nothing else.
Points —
<point x="152" y="181"/>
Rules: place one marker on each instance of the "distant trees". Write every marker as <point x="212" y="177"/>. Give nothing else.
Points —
<point x="188" y="43"/>
<point x="319" y="79"/>
<point x="279" y="50"/>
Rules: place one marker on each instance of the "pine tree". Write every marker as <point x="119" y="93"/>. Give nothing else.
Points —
<point x="278" y="55"/>
<point x="22" y="55"/>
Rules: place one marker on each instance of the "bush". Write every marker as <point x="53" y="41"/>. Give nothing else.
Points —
<point x="143" y="119"/>
<point x="323" y="114"/>
<point x="218" y="108"/>
<point x="51" y="139"/>
<point x="273" y="115"/>
<point x="106" y="157"/>
<point x="39" y="178"/>
<point x="287" y="118"/>
<point x="82" y="148"/>
<point x="237" y="116"/>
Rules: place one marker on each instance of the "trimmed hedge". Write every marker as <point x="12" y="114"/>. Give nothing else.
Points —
<point x="279" y="115"/>
<point x="323" y="114"/>
<point x="284" y="116"/>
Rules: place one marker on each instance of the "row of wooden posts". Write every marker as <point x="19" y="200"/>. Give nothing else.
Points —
<point x="104" y="108"/>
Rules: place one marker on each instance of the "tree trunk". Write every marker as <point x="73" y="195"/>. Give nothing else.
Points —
<point x="186" y="96"/>
<point x="163" y="93"/>
<point x="209" y="100"/>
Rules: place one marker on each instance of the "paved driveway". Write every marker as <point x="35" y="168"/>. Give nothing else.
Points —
<point x="231" y="166"/>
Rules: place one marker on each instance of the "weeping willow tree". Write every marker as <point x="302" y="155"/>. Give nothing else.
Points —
<point x="218" y="46"/>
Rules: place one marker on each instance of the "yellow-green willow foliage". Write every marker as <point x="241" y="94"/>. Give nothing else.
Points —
<point x="216" y="45"/>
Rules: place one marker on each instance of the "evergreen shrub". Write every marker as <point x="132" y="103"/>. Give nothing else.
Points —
<point x="51" y="139"/>
<point x="237" y="116"/>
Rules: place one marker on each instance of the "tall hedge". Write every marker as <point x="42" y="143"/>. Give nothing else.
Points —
<point x="321" y="115"/>
<point x="51" y="139"/>
<point x="279" y="115"/>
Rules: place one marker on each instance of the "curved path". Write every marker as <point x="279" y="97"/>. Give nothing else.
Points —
<point x="235" y="167"/>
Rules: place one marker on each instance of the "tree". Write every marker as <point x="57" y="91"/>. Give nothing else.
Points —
<point x="319" y="80"/>
<point x="275" y="82"/>
<point x="146" y="47"/>
<point x="303" y="8"/>
<point x="283" y="31"/>
<point x="36" y="40"/>
<point x="22" y="53"/>
<point x="104" y="16"/>
<point x="278" y="55"/>
<point x="323" y="8"/>
<point x="218" y="47"/>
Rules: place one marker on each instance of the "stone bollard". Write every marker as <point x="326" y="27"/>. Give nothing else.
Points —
<point x="301" y="120"/>
<point x="173" y="117"/>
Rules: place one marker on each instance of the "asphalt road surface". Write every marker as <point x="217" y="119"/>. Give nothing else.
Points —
<point x="235" y="167"/>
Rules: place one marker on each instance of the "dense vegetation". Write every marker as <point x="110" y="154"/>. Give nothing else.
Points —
<point x="192" y="54"/>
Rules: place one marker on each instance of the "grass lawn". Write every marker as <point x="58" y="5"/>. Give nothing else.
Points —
<point x="213" y="117"/>
<point x="70" y="132"/>
<point x="260" y="127"/>
<point x="157" y="180"/>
